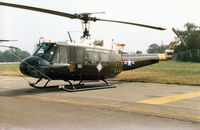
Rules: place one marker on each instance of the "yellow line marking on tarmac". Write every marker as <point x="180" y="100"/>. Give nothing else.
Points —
<point x="116" y="107"/>
<point x="172" y="98"/>
<point x="8" y="79"/>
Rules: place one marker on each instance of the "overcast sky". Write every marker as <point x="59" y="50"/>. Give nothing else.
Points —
<point x="28" y="26"/>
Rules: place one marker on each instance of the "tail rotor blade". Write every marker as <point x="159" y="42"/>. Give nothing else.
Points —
<point x="177" y="34"/>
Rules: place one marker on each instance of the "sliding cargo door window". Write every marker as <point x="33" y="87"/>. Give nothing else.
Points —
<point x="93" y="57"/>
<point x="79" y="55"/>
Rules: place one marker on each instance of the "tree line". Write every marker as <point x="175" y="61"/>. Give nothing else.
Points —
<point x="13" y="55"/>
<point x="190" y="52"/>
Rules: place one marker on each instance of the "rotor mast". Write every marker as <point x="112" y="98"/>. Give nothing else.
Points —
<point x="86" y="18"/>
<point x="85" y="25"/>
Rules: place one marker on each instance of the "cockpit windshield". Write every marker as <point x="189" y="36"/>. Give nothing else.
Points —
<point x="45" y="50"/>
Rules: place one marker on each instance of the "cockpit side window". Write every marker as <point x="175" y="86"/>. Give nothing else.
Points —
<point x="45" y="51"/>
<point x="49" y="53"/>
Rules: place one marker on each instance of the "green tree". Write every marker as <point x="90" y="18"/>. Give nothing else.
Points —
<point x="154" y="48"/>
<point x="138" y="52"/>
<point x="13" y="55"/>
<point x="190" y="52"/>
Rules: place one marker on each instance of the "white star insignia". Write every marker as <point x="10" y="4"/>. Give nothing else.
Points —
<point x="129" y="62"/>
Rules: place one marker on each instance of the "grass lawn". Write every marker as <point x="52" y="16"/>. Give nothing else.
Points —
<point x="9" y="69"/>
<point x="169" y="72"/>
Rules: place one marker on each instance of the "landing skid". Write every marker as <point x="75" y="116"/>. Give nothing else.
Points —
<point x="72" y="87"/>
<point x="85" y="88"/>
<point x="81" y="87"/>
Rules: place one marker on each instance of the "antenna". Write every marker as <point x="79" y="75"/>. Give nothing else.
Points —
<point x="69" y="36"/>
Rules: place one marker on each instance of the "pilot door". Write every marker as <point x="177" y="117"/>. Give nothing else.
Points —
<point x="59" y="62"/>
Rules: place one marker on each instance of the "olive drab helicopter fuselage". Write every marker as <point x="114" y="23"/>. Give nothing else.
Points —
<point x="89" y="60"/>
<point x="84" y="60"/>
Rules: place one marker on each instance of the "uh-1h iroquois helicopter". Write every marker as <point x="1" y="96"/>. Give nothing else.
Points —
<point x="84" y="60"/>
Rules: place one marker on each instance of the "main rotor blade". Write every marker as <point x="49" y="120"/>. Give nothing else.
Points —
<point x="142" y="25"/>
<point x="38" y="9"/>
<point x="82" y="16"/>
<point x="7" y="40"/>
<point x="9" y="46"/>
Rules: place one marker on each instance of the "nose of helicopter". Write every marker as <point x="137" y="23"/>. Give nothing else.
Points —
<point x="30" y="66"/>
<point x="23" y="67"/>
